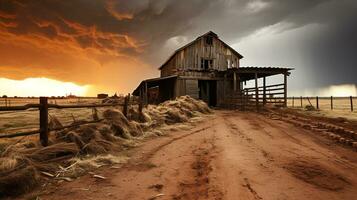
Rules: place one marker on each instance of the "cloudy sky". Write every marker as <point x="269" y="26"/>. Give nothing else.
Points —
<point x="87" y="46"/>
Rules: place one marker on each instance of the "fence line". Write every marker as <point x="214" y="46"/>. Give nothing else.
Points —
<point x="43" y="107"/>
<point x="318" y="101"/>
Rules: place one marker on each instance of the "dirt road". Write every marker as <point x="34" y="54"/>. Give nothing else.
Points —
<point x="234" y="155"/>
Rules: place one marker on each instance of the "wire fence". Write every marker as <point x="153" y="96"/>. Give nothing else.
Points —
<point x="324" y="103"/>
<point x="16" y="101"/>
<point x="45" y="104"/>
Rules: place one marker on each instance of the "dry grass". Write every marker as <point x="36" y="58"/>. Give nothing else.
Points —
<point x="74" y="151"/>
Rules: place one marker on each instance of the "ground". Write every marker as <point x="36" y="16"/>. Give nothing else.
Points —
<point x="232" y="155"/>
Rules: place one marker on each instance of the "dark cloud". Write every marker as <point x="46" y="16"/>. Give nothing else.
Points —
<point x="141" y="30"/>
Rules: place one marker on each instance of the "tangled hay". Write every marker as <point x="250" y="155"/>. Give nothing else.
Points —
<point x="81" y="165"/>
<point x="310" y="108"/>
<point x="176" y="111"/>
<point x="16" y="176"/>
<point x="84" y="147"/>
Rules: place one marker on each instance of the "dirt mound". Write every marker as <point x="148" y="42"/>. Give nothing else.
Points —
<point x="317" y="175"/>
<point x="22" y="163"/>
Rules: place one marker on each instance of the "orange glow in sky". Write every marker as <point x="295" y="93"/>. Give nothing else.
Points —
<point x="40" y="87"/>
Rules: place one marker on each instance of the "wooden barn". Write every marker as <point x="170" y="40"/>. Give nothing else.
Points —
<point x="209" y="69"/>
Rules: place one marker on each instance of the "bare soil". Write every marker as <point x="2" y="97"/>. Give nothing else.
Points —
<point x="234" y="155"/>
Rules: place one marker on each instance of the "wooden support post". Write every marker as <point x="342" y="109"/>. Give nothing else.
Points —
<point x="264" y="91"/>
<point x="256" y="92"/>
<point x="351" y="99"/>
<point x="285" y="90"/>
<point x="234" y="81"/>
<point x="317" y="102"/>
<point x="5" y="102"/>
<point x="44" y="121"/>
<point x="224" y="87"/>
<point x="331" y="102"/>
<point x="146" y="94"/>
<point x="125" y="107"/>
<point x="140" y="109"/>
<point x="301" y="101"/>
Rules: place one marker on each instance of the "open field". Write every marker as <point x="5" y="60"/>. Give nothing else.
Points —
<point x="17" y="121"/>
<point x="62" y="101"/>
<point x="341" y="107"/>
<point x="235" y="155"/>
<point x="339" y="103"/>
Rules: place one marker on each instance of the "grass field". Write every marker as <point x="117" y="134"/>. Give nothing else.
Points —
<point x="17" y="121"/>
<point x="339" y="103"/>
<point x="341" y="107"/>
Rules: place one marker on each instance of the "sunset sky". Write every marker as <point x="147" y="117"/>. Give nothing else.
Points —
<point x="84" y="47"/>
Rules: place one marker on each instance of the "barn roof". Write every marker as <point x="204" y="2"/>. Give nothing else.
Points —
<point x="189" y="44"/>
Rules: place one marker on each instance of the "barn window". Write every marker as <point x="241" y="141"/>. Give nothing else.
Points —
<point x="209" y="40"/>
<point x="206" y="63"/>
<point x="228" y="63"/>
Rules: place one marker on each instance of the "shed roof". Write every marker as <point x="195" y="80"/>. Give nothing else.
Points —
<point x="152" y="83"/>
<point x="189" y="44"/>
<point x="248" y="73"/>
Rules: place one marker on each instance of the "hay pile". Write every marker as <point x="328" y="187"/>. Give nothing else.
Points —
<point x="176" y="111"/>
<point x="310" y="108"/>
<point x="78" y="149"/>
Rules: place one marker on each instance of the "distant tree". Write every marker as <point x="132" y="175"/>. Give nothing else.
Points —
<point x="4" y="96"/>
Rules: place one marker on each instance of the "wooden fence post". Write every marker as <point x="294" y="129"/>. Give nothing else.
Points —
<point x="301" y="101"/>
<point x="331" y="102"/>
<point x="351" y="99"/>
<point x="256" y="92"/>
<point x="317" y="102"/>
<point x="44" y="121"/>
<point x="285" y="90"/>
<point x="125" y="107"/>
<point x="264" y="91"/>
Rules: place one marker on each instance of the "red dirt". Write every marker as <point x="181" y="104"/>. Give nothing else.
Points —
<point x="235" y="155"/>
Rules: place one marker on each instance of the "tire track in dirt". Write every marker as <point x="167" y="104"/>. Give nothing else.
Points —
<point x="251" y="190"/>
<point x="144" y="165"/>
<point x="267" y="123"/>
<point x="317" y="175"/>
<point x="237" y="131"/>
<point x="200" y="187"/>
<point x="317" y="139"/>
<point x="305" y="168"/>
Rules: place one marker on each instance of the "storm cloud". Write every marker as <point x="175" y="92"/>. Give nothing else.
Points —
<point x="116" y="43"/>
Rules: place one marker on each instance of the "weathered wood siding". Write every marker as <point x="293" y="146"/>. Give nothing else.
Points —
<point x="189" y="58"/>
<point x="180" y="88"/>
<point x="192" y="88"/>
